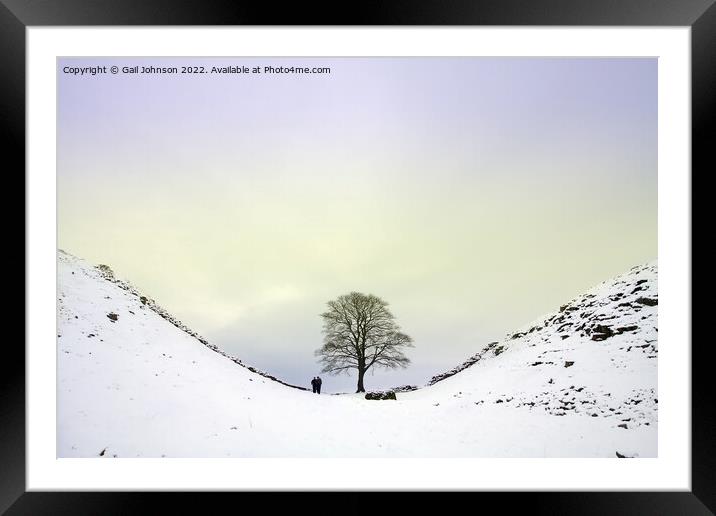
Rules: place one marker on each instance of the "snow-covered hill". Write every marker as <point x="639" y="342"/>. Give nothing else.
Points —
<point x="596" y="356"/>
<point x="135" y="382"/>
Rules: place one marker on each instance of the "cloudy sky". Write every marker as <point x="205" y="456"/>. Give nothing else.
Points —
<point x="473" y="194"/>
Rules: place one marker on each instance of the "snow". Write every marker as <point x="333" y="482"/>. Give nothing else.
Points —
<point x="146" y="385"/>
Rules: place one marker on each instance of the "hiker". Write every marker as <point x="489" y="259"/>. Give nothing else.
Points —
<point x="314" y="384"/>
<point x="318" y="384"/>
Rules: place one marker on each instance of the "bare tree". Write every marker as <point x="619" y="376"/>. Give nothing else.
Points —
<point x="359" y="332"/>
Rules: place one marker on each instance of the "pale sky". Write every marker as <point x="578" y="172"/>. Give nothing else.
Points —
<point x="472" y="194"/>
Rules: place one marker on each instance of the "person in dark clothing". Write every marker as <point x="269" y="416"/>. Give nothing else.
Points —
<point x="318" y="384"/>
<point x="314" y="384"/>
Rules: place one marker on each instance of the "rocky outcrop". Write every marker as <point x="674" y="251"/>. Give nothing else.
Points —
<point x="405" y="388"/>
<point x="380" y="395"/>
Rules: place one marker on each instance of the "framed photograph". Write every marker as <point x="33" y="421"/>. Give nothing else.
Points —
<point x="426" y="248"/>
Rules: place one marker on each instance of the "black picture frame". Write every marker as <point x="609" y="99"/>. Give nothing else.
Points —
<point x="700" y="15"/>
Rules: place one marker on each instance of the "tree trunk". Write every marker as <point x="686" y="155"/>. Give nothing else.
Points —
<point x="361" y="373"/>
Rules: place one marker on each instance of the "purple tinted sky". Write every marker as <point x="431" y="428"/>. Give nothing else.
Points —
<point x="458" y="104"/>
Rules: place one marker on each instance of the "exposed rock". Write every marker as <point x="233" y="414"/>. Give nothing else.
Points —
<point x="112" y="316"/>
<point x="601" y="332"/>
<point x="405" y="388"/>
<point x="647" y="301"/>
<point x="380" y="395"/>
<point x="106" y="271"/>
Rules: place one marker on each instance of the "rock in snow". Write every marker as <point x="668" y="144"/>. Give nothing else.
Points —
<point x="145" y="385"/>
<point x="381" y="395"/>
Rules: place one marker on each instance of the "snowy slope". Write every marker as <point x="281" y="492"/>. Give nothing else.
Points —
<point x="134" y="382"/>
<point x="596" y="356"/>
